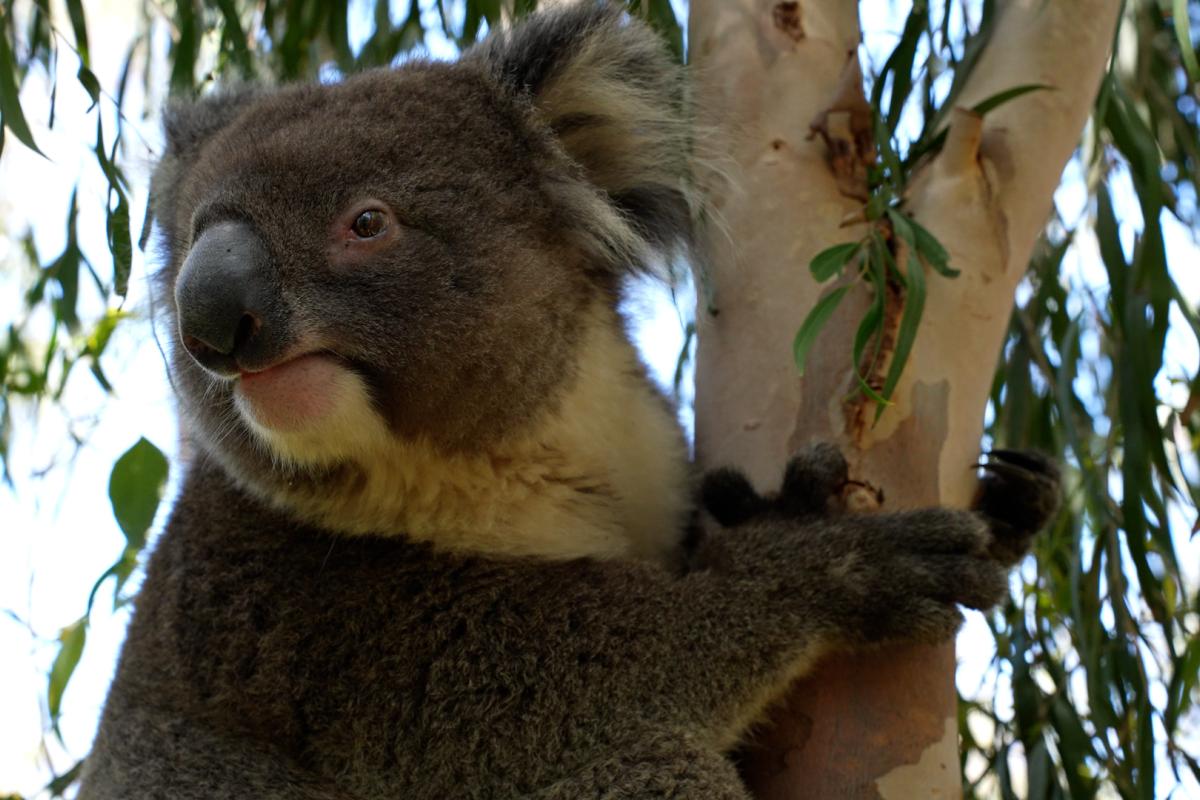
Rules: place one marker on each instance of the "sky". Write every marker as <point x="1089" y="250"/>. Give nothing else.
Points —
<point x="57" y="532"/>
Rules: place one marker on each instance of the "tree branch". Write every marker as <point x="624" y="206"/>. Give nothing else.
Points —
<point x="879" y="725"/>
<point x="764" y="72"/>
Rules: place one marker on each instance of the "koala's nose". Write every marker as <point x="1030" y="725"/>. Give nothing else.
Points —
<point x="226" y="304"/>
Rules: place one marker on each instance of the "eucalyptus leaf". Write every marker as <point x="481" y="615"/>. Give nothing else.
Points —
<point x="829" y="262"/>
<point x="70" y="647"/>
<point x="932" y="251"/>
<point x="910" y="321"/>
<point x="806" y="337"/>
<point x="12" y="116"/>
<point x="79" y="27"/>
<point x="1181" y="18"/>
<point x="984" y="107"/>
<point x="236" y="36"/>
<point x="135" y="488"/>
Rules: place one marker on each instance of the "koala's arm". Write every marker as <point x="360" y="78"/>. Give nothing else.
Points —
<point x="788" y="582"/>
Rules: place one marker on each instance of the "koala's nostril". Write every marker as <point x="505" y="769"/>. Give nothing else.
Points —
<point x="194" y="346"/>
<point x="247" y="327"/>
<point x="208" y="356"/>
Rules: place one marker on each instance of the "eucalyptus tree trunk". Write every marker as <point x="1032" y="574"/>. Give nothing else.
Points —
<point x="769" y="76"/>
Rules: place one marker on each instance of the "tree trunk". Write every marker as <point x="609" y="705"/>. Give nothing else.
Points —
<point x="883" y="724"/>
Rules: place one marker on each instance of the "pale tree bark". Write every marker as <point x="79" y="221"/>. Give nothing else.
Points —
<point x="881" y="724"/>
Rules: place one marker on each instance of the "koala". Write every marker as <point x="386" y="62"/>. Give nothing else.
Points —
<point x="428" y="541"/>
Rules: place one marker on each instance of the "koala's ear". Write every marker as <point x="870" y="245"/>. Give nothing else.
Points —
<point x="608" y="89"/>
<point x="187" y="125"/>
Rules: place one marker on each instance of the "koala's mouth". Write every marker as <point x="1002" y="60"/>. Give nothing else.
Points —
<point x="294" y="395"/>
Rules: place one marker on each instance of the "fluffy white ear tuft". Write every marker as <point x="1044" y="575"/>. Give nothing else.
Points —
<point x="609" y="90"/>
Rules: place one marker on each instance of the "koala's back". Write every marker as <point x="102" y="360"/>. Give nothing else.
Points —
<point x="378" y="663"/>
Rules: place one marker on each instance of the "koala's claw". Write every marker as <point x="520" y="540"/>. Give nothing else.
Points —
<point x="813" y="476"/>
<point x="1018" y="494"/>
<point x="728" y="496"/>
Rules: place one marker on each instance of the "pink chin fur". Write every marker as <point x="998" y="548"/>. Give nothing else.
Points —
<point x="291" y="396"/>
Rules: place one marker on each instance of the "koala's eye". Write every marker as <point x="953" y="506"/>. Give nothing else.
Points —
<point x="369" y="224"/>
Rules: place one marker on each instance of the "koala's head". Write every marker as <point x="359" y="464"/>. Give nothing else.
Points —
<point x="413" y="254"/>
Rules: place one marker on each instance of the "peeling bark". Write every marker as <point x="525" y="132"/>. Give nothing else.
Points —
<point x="876" y="725"/>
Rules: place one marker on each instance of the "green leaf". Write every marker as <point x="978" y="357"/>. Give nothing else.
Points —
<point x="186" y="48"/>
<point x="829" y="262"/>
<point x="899" y="65"/>
<point x="1183" y="33"/>
<point x="11" y="115"/>
<point x="932" y="142"/>
<point x="1108" y="237"/>
<point x="931" y="250"/>
<point x="910" y="322"/>
<point x="870" y="329"/>
<point x="1000" y="98"/>
<point x="902" y="228"/>
<point x="877" y="206"/>
<point x="120" y="244"/>
<point x="662" y="19"/>
<point x="121" y="570"/>
<point x="1074" y="745"/>
<point x="70" y="648"/>
<point x="79" y="26"/>
<point x="892" y="181"/>
<point x="1184" y="681"/>
<point x="685" y="355"/>
<point x="135" y="488"/>
<point x="477" y="12"/>
<point x="64" y="271"/>
<point x="236" y="37"/>
<point x="1040" y="771"/>
<point x="816" y="319"/>
<point x="60" y="783"/>
<point x="1145" y="746"/>
<point x="91" y="84"/>
<point x="97" y="340"/>
<point x="117" y="222"/>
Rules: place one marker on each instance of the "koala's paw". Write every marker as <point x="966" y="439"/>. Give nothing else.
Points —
<point x="813" y="477"/>
<point x="727" y="495"/>
<point x="901" y="577"/>
<point x="1019" y="493"/>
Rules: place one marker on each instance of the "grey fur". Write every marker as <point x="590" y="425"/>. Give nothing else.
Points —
<point x="270" y="657"/>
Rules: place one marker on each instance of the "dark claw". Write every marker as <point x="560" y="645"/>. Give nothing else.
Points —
<point x="1019" y="493"/>
<point x="728" y="496"/>
<point x="1027" y="459"/>
<point x="813" y="476"/>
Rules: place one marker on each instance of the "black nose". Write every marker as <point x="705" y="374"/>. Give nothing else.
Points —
<point x="225" y="299"/>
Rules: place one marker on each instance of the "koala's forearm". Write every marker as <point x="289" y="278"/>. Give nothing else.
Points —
<point x="719" y="643"/>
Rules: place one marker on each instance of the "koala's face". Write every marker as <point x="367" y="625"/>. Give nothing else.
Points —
<point x="412" y="255"/>
<point x="379" y="248"/>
